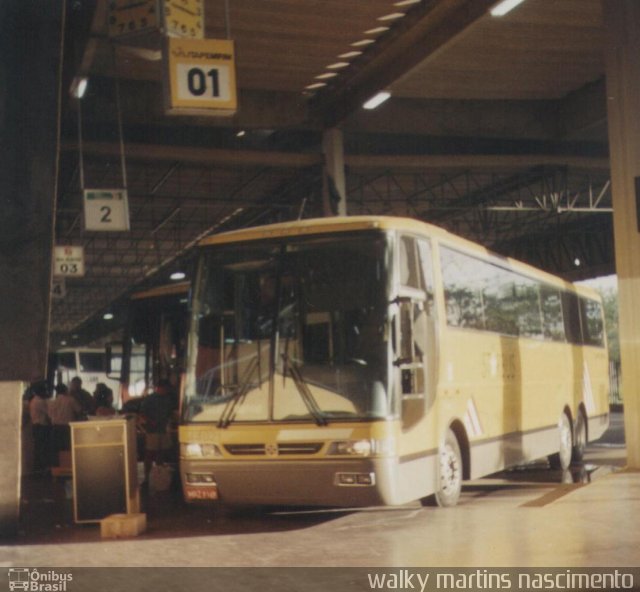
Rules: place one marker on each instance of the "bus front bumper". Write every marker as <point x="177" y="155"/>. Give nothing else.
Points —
<point x="345" y="483"/>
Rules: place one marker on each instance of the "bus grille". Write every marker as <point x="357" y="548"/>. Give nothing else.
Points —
<point x="269" y="450"/>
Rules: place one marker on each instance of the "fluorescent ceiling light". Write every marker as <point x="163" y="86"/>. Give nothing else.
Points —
<point x="241" y="134"/>
<point x="391" y="17"/>
<point x="79" y="87"/>
<point x="177" y="276"/>
<point x="337" y="65"/>
<point x="406" y="2"/>
<point x="107" y="316"/>
<point x="315" y="85"/>
<point x="362" y="42"/>
<point x="376" y="30"/>
<point x="326" y="75"/>
<point x="377" y="100"/>
<point x="504" y="7"/>
<point x="350" y="54"/>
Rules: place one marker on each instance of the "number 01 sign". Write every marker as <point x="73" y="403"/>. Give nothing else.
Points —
<point x="200" y="77"/>
<point x="106" y="209"/>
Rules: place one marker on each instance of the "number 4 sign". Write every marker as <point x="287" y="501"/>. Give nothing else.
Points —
<point x="106" y="209"/>
<point x="199" y="77"/>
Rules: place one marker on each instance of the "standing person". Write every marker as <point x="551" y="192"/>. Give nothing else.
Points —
<point x="103" y="396"/>
<point x="40" y="426"/>
<point x="84" y="398"/>
<point x="156" y="412"/>
<point x="62" y="410"/>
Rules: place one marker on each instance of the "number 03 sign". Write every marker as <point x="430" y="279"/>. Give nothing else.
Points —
<point x="200" y="77"/>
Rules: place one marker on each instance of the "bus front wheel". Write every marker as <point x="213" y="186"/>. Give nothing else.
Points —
<point x="449" y="476"/>
<point x="562" y="458"/>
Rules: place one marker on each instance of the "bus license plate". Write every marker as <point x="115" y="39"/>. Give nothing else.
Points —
<point x="201" y="493"/>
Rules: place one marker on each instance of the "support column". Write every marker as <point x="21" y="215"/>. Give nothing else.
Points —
<point x="334" y="193"/>
<point x="622" y="23"/>
<point x="30" y="46"/>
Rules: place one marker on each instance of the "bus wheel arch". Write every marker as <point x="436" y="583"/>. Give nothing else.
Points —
<point x="465" y="448"/>
<point x="452" y="468"/>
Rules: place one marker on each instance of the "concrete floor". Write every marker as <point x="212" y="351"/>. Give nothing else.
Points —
<point x="527" y="517"/>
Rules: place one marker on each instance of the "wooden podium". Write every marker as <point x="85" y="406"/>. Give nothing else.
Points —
<point x="104" y="461"/>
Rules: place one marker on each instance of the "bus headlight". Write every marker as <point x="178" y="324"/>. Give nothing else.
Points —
<point x="194" y="450"/>
<point x="362" y="447"/>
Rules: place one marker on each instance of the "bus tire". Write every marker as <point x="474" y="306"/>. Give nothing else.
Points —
<point x="562" y="458"/>
<point x="579" y="437"/>
<point x="450" y="473"/>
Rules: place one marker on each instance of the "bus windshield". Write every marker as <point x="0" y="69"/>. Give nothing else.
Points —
<point x="290" y="330"/>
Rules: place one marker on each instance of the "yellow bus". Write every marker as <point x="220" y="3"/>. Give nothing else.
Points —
<point x="362" y="361"/>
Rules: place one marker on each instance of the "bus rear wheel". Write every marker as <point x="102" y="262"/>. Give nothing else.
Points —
<point x="579" y="437"/>
<point x="562" y="458"/>
<point x="449" y="476"/>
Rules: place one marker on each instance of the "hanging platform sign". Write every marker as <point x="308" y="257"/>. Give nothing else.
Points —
<point x="106" y="210"/>
<point x="199" y="77"/>
<point x="58" y="288"/>
<point x="68" y="261"/>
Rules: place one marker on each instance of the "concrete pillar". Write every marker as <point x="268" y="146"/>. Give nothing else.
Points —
<point x="10" y="460"/>
<point x="334" y="193"/>
<point x="622" y="24"/>
<point x="30" y="46"/>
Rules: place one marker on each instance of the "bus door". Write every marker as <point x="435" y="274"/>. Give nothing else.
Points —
<point x="415" y="353"/>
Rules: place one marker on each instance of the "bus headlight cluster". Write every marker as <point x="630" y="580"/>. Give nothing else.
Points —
<point x="362" y="447"/>
<point x="355" y="479"/>
<point x="194" y="450"/>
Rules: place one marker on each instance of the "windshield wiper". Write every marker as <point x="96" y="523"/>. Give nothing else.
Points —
<point x="305" y="394"/>
<point x="228" y="413"/>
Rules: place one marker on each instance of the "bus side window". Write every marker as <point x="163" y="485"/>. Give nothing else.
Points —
<point x="571" y="313"/>
<point x="592" y="323"/>
<point x="426" y="264"/>
<point x="463" y="278"/>
<point x="553" y="325"/>
<point x="410" y="272"/>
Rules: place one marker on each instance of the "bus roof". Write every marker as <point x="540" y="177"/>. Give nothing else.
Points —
<point x="321" y="226"/>
<point x="363" y="223"/>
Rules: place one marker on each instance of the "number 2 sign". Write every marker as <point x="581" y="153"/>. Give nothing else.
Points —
<point x="106" y="209"/>
<point x="199" y="77"/>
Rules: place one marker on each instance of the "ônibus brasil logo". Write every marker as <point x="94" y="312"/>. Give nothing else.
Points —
<point x="33" y="580"/>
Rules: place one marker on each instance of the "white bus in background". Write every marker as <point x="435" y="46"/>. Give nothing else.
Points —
<point x="90" y="364"/>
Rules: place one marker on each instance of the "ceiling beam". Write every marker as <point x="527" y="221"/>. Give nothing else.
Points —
<point x="295" y="160"/>
<point x="426" y="29"/>
<point x="469" y="161"/>
<point x="196" y="155"/>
